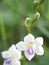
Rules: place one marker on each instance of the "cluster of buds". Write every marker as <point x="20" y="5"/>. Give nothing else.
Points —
<point x="29" y="21"/>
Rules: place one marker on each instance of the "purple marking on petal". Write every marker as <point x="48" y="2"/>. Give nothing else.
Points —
<point x="7" y="60"/>
<point x="30" y="51"/>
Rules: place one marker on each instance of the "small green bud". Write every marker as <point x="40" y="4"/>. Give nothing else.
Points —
<point x="35" y="5"/>
<point x="37" y="15"/>
<point x="28" y="22"/>
<point x="36" y="2"/>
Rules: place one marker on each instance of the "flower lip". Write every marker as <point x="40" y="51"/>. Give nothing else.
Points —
<point x="30" y="51"/>
<point x="7" y="60"/>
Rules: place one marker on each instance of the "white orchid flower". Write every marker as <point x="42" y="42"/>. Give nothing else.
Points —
<point x="31" y="46"/>
<point x="12" y="56"/>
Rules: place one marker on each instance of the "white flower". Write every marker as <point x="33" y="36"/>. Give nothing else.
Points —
<point x="11" y="56"/>
<point x="31" y="46"/>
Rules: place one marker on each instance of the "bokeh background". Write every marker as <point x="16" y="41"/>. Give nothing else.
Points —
<point x="12" y="16"/>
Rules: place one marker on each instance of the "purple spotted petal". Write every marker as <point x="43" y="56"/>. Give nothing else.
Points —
<point x="7" y="60"/>
<point x="30" y="51"/>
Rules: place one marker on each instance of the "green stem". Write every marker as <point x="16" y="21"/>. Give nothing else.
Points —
<point x="23" y="60"/>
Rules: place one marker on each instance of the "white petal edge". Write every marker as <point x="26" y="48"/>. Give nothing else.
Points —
<point x="18" y="54"/>
<point x="12" y="48"/>
<point x="39" y="50"/>
<point x="20" y="45"/>
<point x="29" y="57"/>
<point x="14" y="52"/>
<point x="29" y="38"/>
<point x="6" y="64"/>
<point x="15" y="62"/>
<point x="5" y="54"/>
<point x="39" y="41"/>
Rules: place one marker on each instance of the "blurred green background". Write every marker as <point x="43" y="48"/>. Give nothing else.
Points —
<point x="12" y="16"/>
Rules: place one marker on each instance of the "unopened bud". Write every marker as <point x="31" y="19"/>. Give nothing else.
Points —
<point x="37" y="15"/>
<point x="35" y="2"/>
<point x="27" y="22"/>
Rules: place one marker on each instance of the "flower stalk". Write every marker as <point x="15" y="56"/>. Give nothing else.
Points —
<point x="23" y="60"/>
<point x="29" y="22"/>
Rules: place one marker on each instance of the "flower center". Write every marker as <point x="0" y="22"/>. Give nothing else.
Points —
<point x="7" y="60"/>
<point x="30" y="51"/>
<point x="29" y="44"/>
<point x="31" y="47"/>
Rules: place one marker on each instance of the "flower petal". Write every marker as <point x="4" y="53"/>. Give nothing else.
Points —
<point x="39" y="41"/>
<point x="20" y="45"/>
<point x="18" y="54"/>
<point x="29" y="38"/>
<point x="39" y="50"/>
<point x="6" y="64"/>
<point x="29" y="57"/>
<point x="15" y="62"/>
<point x="14" y="52"/>
<point x="9" y="52"/>
<point x="12" y="48"/>
<point x="5" y="54"/>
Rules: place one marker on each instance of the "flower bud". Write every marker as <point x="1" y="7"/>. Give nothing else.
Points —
<point x="36" y="2"/>
<point x="37" y="15"/>
<point x="28" y="22"/>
